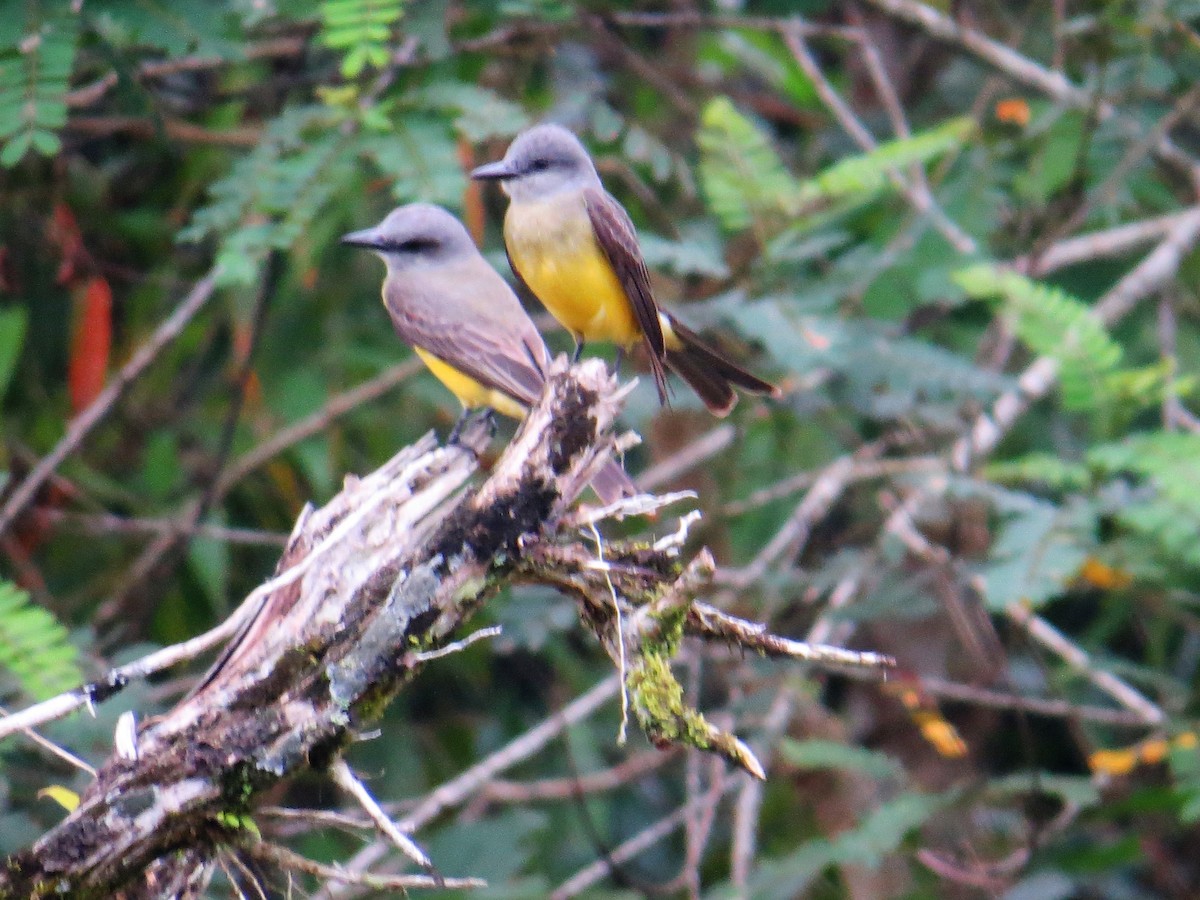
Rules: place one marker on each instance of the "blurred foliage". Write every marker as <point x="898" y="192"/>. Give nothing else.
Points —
<point x="145" y="143"/>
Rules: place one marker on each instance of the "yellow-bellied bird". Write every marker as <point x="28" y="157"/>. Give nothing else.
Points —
<point x="463" y="319"/>
<point x="575" y="248"/>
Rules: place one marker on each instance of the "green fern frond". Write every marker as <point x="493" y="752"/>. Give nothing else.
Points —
<point x="479" y="114"/>
<point x="866" y="174"/>
<point x="1046" y="469"/>
<point x="361" y="30"/>
<point x="746" y="183"/>
<point x="1169" y="463"/>
<point x="34" y="76"/>
<point x="1052" y="323"/>
<point x="271" y="196"/>
<point x="34" y="647"/>
<point x="420" y="157"/>
<point x="174" y="27"/>
<point x="742" y="176"/>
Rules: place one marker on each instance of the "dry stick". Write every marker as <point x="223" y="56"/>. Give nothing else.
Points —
<point x="1023" y="70"/>
<point x="51" y="747"/>
<point x="754" y="23"/>
<point x="314" y="423"/>
<point x="348" y="781"/>
<point x="64" y="704"/>
<point x="593" y="872"/>
<point x="824" y="492"/>
<point x="588" y="783"/>
<point x="976" y="696"/>
<point x="863" y="471"/>
<point x="461" y="788"/>
<point x="1158" y="267"/>
<point x="338" y="406"/>
<point x="1104" y="244"/>
<point x="96" y="411"/>
<point x="174" y="129"/>
<point x="1119" y="174"/>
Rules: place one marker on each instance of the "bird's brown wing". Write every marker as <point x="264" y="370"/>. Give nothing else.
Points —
<point x="485" y="333"/>
<point x="618" y="240"/>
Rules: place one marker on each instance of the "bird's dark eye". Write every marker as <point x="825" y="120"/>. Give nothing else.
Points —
<point x="414" y="245"/>
<point x="541" y="164"/>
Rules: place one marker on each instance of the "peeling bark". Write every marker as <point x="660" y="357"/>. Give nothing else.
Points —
<point x="390" y="566"/>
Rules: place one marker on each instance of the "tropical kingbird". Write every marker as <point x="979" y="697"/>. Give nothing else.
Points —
<point x="575" y="248"/>
<point x="463" y="319"/>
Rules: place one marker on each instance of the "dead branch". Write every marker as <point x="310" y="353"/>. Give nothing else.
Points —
<point x="366" y="588"/>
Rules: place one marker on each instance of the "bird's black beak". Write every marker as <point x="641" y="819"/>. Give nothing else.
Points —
<point x="367" y="238"/>
<point x="494" y="171"/>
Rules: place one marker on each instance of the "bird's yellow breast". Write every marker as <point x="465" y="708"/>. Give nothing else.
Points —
<point x="554" y="250"/>
<point x="470" y="393"/>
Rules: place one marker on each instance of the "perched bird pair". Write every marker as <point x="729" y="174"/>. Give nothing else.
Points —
<point x="573" y="245"/>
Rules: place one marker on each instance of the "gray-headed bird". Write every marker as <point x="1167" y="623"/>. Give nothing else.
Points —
<point x="575" y="248"/>
<point x="463" y="320"/>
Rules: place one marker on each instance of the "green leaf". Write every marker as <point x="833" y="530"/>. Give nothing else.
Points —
<point x="178" y="27"/>
<point x="1055" y="324"/>
<point x="34" y="80"/>
<point x="1039" y="549"/>
<point x="361" y="30"/>
<point x="1169" y="464"/>
<point x="741" y="174"/>
<point x="270" y="197"/>
<point x="868" y="172"/>
<point x="697" y="252"/>
<point x="421" y="158"/>
<point x="1047" y="469"/>
<point x="881" y="372"/>
<point x="479" y="114"/>
<point x="34" y="646"/>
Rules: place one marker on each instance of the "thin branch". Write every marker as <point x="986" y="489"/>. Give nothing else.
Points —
<point x="340" y="772"/>
<point x="618" y="776"/>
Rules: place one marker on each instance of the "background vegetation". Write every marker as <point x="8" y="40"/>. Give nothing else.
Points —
<point x="961" y="238"/>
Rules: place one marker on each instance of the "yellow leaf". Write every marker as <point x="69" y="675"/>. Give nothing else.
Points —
<point x="64" y="797"/>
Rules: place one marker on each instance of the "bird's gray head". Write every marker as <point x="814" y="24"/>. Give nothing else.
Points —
<point x="542" y="162"/>
<point x="419" y="234"/>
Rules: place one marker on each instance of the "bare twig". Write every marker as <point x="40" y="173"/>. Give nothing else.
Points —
<point x="348" y="781"/>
